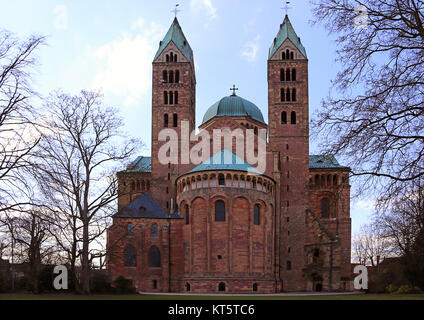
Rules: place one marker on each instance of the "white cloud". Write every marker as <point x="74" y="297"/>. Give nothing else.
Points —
<point x="198" y="5"/>
<point x="368" y="204"/>
<point x="124" y="65"/>
<point x="250" y="50"/>
<point x="61" y="17"/>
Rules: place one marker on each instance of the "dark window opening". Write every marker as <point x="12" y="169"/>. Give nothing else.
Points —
<point x="288" y="75"/>
<point x="154" y="257"/>
<point x="255" y="287"/>
<point x="130" y="257"/>
<point x="256" y="215"/>
<point x="289" y="265"/>
<point x="283" y="117"/>
<point x="219" y="257"/>
<point x="142" y="210"/>
<point x="187" y="217"/>
<point x="293" y="117"/>
<point x="176" y="97"/>
<point x="165" y="97"/>
<point x="130" y="229"/>
<point x="165" y="121"/>
<point x="325" y="208"/>
<point x="287" y="54"/>
<point x="155" y="284"/>
<point x="288" y="94"/>
<point x="188" y="287"/>
<point x="294" y="76"/>
<point x="281" y="74"/>
<point x="221" y="287"/>
<point x="171" y="77"/>
<point x="294" y="95"/>
<point x="283" y="96"/>
<point x="283" y="56"/>
<point x="175" y="58"/>
<point x="171" y="97"/>
<point x="154" y="230"/>
<point x="292" y="55"/>
<point x="220" y="210"/>
<point x="165" y="76"/>
<point x="221" y="180"/>
<point x="167" y="58"/>
<point x="177" y="76"/>
<point x="175" y="120"/>
<point x="318" y="287"/>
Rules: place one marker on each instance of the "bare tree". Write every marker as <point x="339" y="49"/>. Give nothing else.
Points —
<point x="17" y="59"/>
<point x="375" y="115"/>
<point x="31" y="234"/>
<point x="76" y="162"/>
<point x="371" y="244"/>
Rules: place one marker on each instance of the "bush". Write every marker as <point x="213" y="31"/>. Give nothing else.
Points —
<point x="123" y="285"/>
<point x="391" y="288"/>
<point x="408" y="289"/>
<point x="100" y="283"/>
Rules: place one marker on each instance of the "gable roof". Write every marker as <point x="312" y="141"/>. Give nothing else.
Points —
<point x="146" y="201"/>
<point x="286" y="32"/>
<point x="176" y="35"/>
<point x="324" y="162"/>
<point x="225" y="160"/>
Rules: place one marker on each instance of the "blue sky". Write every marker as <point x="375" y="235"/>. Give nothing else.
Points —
<point x="109" y="45"/>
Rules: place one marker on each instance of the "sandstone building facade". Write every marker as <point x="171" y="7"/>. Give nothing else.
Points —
<point x="223" y="226"/>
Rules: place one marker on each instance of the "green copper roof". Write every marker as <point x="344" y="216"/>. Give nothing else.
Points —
<point x="176" y="35"/>
<point x="324" y="162"/>
<point x="140" y="164"/>
<point x="286" y="31"/>
<point x="225" y="160"/>
<point x="233" y="106"/>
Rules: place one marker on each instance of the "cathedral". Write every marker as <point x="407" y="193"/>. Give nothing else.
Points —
<point x="225" y="227"/>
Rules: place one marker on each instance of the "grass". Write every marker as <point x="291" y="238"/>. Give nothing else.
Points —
<point x="19" y="296"/>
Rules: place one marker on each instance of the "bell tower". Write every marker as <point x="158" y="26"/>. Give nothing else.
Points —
<point x="173" y="101"/>
<point x="289" y="139"/>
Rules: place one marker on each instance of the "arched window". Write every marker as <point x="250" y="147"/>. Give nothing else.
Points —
<point x="335" y="180"/>
<point x="165" y="76"/>
<point x="255" y="287"/>
<point x="292" y="55"/>
<point x="220" y="210"/>
<point x="221" y="180"/>
<point x="283" y="96"/>
<point x="221" y="287"/>
<point x="175" y="120"/>
<point x="130" y="229"/>
<point x="177" y="76"/>
<point x="165" y="97"/>
<point x="288" y="75"/>
<point x="176" y="97"/>
<point x="325" y="203"/>
<point x="282" y="74"/>
<point x="171" y="77"/>
<point x="130" y="257"/>
<point x="154" y="230"/>
<point x="293" y="117"/>
<point x="165" y="121"/>
<point x="289" y="265"/>
<point x="167" y="58"/>
<point x="175" y="58"/>
<point x="187" y="214"/>
<point x="172" y="56"/>
<point x="188" y="287"/>
<point x="294" y="75"/>
<point x="287" y="54"/>
<point x="294" y="94"/>
<point x="316" y="179"/>
<point x="171" y="97"/>
<point x="154" y="257"/>
<point x="283" y="117"/>
<point x="257" y="215"/>
<point x="283" y="56"/>
<point x="288" y="94"/>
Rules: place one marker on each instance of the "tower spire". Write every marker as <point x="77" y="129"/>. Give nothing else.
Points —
<point x="175" y="11"/>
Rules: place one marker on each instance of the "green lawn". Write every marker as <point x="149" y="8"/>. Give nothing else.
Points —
<point x="195" y="297"/>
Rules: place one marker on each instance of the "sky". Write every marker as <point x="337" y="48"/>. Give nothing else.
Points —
<point x="109" y="45"/>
